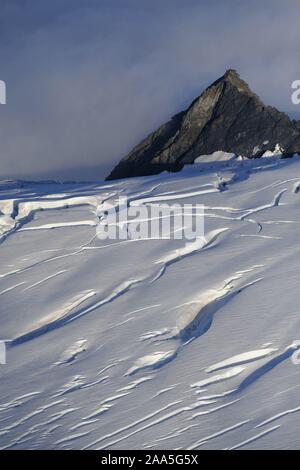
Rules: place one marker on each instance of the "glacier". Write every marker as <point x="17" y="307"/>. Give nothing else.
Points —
<point x="153" y="344"/>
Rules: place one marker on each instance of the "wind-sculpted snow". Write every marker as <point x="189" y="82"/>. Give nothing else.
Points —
<point x="145" y="343"/>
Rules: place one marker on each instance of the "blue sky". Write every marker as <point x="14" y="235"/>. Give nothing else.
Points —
<point x="87" y="79"/>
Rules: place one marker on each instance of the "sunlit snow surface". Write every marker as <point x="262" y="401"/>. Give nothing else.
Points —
<point x="153" y="344"/>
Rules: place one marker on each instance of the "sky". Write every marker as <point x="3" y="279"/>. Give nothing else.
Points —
<point x="88" y="79"/>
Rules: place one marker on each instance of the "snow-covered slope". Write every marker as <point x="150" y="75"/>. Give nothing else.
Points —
<point x="153" y="343"/>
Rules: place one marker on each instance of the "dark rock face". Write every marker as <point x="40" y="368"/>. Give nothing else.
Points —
<point x="227" y="116"/>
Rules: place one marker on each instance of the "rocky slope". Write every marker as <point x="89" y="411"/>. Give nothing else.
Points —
<point x="227" y="116"/>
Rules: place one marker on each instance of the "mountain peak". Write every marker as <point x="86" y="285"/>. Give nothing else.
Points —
<point x="231" y="74"/>
<point x="228" y="116"/>
<point x="232" y="77"/>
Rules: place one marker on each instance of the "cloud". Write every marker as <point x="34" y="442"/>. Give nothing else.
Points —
<point x="86" y="80"/>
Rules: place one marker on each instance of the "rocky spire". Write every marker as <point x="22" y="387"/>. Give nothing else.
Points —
<point x="227" y="116"/>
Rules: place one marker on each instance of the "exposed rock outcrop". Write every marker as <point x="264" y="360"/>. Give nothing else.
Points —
<point x="227" y="116"/>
